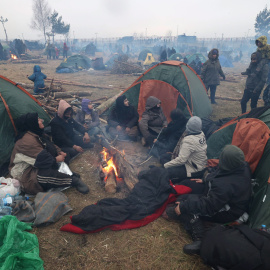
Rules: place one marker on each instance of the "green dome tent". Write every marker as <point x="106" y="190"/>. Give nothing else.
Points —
<point x="74" y="63"/>
<point x="192" y="57"/>
<point x="256" y="153"/>
<point x="14" y="102"/>
<point x="176" y="85"/>
<point x="176" y="57"/>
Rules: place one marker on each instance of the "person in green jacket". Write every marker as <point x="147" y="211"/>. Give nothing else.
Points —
<point x="211" y="71"/>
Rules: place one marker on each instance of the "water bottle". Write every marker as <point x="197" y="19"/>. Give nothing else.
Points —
<point x="263" y="228"/>
<point x="8" y="201"/>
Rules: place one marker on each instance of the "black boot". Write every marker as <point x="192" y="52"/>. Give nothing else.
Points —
<point x="79" y="184"/>
<point x="197" y="232"/>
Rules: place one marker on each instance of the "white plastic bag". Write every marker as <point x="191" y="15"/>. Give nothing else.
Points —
<point x="64" y="168"/>
<point x="9" y="187"/>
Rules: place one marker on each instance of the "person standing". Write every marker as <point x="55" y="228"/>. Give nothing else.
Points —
<point x="211" y="71"/>
<point x="255" y="81"/>
<point x="65" y="50"/>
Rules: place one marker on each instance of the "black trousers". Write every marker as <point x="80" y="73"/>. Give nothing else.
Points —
<point x="248" y="94"/>
<point x="213" y="89"/>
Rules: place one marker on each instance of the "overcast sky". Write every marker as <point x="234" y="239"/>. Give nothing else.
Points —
<point x="117" y="18"/>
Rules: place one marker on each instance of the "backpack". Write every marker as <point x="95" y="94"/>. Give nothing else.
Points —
<point x="236" y="248"/>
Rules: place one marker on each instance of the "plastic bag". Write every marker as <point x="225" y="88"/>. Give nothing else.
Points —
<point x="9" y="187"/>
<point x="18" y="249"/>
<point x="63" y="168"/>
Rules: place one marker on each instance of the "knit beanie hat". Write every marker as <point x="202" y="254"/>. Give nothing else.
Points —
<point x="232" y="157"/>
<point x="194" y="125"/>
<point x="215" y="52"/>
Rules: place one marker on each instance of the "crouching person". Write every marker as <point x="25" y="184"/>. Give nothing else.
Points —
<point x="189" y="157"/>
<point x="89" y="118"/>
<point x="34" y="159"/>
<point x="68" y="134"/>
<point x="225" y="200"/>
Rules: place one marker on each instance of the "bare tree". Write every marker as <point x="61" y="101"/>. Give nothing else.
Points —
<point x="41" y="14"/>
<point x="3" y="21"/>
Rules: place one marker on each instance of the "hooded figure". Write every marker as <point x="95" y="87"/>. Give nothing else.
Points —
<point x="153" y="120"/>
<point x="38" y="78"/>
<point x="169" y="136"/>
<point x="211" y="71"/>
<point x="263" y="47"/>
<point x="63" y="128"/>
<point x="34" y="159"/>
<point x="226" y="198"/>
<point x="123" y="120"/>
<point x="191" y="156"/>
<point x="255" y="80"/>
<point x="88" y="117"/>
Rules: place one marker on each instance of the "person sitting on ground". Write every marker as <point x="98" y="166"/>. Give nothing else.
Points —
<point x="254" y="84"/>
<point x="169" y="136"/>
<point x="38" y="78"/>
<point x="34" y="159"/>
<point x="189" y="159"/>
<point x="226" y="199"/>
<point x="153" y="121"/>
<point x="123" y="120"/>
<point x="68" y="134"/>
<point x="89" y="118"/>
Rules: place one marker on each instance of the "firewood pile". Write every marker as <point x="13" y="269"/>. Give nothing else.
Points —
<point x="121" y="66"/>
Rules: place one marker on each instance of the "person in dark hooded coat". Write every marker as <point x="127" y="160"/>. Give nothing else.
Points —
<point x="153" y="120"/>
<point x="38" y="78"/>
<point x="34" y="159"/>
<point x="225" y="199"/>
<point x="123" y="120"/>
<point x="255" y="81"/>
<point x="63" y="128"/>
<point x="169" y="136"/>
<point x="210" y="73"/>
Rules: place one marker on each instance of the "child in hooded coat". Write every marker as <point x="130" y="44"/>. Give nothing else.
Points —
<point x="89" y="118"/>
<point x="38" y="78"/>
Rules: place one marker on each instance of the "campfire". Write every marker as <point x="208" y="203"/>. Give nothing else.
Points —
<point x="115" y="169"/>
<point x="13" y="56"/>
<point x="108" y="171"/>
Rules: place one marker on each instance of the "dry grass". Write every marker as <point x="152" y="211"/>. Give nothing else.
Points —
<point x="155" y="246"/>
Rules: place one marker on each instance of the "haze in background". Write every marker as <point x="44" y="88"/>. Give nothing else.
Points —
<point x="117" y="18"/>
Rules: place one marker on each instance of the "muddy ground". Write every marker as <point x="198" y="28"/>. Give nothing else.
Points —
<point x="155" y="246"/>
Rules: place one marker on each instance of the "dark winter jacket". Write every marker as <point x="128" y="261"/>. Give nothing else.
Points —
<point x="153" y="118"/>
<point x="63" y="130"/>
<point x="257" y="77"/>
<point x="80" y="118"/>
<point x="228" y="191"/>
<point x="38" y="78"/>
<point x="211" y="70"/>
<point x="121" y="115"/>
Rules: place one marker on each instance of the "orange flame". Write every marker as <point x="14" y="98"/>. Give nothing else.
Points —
<point x="110" y="163"/>
<point x="13" y="56"/>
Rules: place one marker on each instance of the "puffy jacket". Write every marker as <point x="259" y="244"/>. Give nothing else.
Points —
<point x="265" y="49"/>
<point x="38" y="78"/>
<point x="211" y="70"/>
<point x="192" y="154"/>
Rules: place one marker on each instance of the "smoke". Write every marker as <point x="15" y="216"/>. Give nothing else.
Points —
<point x="116" y="7"/>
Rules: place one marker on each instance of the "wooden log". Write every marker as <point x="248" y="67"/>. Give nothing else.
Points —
<point x="82" y="84"/>
<point x="228" y="98"/>
<point x="33" y="61"/>
<point x="71" y="94"/>
<point x="110" y="185"/>
<point x="130" y="65"/>
<point x="105" y="105"/>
